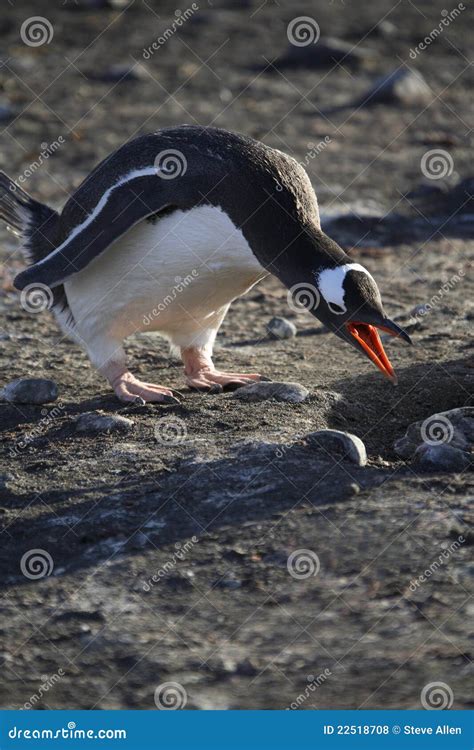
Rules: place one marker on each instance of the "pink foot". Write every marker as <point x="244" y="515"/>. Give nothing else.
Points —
<point x="129" y="389"/>
<point x="201" y="373"/>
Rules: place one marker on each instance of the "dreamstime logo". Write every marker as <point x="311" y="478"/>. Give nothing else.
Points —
<point x="36" y="31"/>
<point x="314" y="682"/>
<point x="170" y="696"/>
<point x="437" y="429"/>
<point x="180" y="18"/>
<point x="47" y="419"/>
<point x="171" y="430"/>
<point x="315" y="149"/>
<point x="303" y="563"/>
<point x="422" y="310"/>
<point x="47" y="149"/>
<point x="36" y="563"/>
<point x="180" y="285"/>
<point x="47" y="683"/>
<point x="36" y="298"/>
<point x="303" y="31"/>
<point x="170" y="164"/>
<point x="437" y="164"/>
<point x="436" y="696"/>
<point x="302" y="297"/>
<point x="180" y="553"/>
<point x="436" y="564"/>
<point x="447" y="16"/>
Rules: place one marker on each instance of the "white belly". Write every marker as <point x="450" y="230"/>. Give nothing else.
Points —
<point x="173" y="276"/>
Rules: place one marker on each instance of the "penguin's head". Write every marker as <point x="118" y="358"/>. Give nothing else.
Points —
<point x="347" y="300"/>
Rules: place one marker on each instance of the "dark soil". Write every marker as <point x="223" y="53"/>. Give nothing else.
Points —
<point x="227" y="621"/>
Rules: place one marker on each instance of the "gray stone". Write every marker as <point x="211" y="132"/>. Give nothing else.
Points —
<point x="406" y="87"/>
<point x="281" y="328"/>
<point x="454" y="428"/>
<point x="30" y="391"/>
<point x="94" y="423"/>
<point x="292" y="393"/>
<point x="441" y="457"/>
<point x="339" y="443"/>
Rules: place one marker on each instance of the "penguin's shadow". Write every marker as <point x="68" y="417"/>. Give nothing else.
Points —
<point x="255" y="482"/>
<point x="158" y="511"/>
<point x="380" y="413"/>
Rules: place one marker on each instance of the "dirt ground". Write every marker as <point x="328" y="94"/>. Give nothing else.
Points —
<point x="214" y="512"/>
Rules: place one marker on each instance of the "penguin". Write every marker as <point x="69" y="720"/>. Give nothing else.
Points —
<point x="166" y="232"/>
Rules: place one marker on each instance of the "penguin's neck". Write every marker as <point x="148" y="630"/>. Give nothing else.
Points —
<point x="295" y="252"/>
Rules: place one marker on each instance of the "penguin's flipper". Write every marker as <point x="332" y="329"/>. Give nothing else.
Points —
<point x="119" y="208"/>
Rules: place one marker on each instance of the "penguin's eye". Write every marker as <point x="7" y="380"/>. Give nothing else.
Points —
<point x="336" y="309"/>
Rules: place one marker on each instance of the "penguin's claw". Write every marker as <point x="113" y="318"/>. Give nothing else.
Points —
<point x="214" y="381"/>
<point x="130" y="390"/>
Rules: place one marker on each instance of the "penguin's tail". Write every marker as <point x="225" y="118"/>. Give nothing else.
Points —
<point x="33" y="222"/>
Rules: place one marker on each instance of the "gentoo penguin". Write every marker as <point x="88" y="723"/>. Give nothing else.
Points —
<point x="171" y="228"/>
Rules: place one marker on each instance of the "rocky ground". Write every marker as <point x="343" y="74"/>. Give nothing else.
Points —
<point x="167" y="544"/>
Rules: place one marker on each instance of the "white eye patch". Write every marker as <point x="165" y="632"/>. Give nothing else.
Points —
<point x="330" y="284"/>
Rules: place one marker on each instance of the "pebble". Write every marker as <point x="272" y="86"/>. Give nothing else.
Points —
<point x="281" y="328"/>
<point x="341" y="443"/>
<point x="95" y="423"/>
<point x="405" y="87"/>
<point x="454" y="428"/>
<point x="292" y="393"/>
<point x="30" y="391"/>
<point x="442" y="457"/>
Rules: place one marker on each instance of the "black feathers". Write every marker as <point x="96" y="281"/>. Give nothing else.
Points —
<point x="34" y="222"/>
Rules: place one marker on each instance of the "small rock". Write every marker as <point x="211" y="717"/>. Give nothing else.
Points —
<point x="341" y="443"/>
<point x="281" y="328"/>
<point x="292" y="393"/>
<point x="405" y="87"/>
<point x="454" y="428"/>
<point x="441" y="457"/>
<point x="94" y="423"/>
<point x="30" y="391"/>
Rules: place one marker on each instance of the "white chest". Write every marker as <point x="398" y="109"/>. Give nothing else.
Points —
<point x="162" y="275"/>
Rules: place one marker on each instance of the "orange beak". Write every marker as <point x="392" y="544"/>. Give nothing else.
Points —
<point x="368" y="339"/>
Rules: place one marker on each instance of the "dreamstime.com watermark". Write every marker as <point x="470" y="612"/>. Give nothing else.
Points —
<point x="313" y="684"/>
<point x="423" y="310"/>
<point x="314" y="150"/>
<point x="36" y="563"/>
<point x="180" y="285"/>
<point x="170" y="696"/>
<point x="436" y="564"/>
<point x="47" y="149"/>
<point x="302" y="31"/>
<point x="170" y="430"/>
<point x="47" y="684"/>
<point x="303" y="563"/>
<point x="48" y="417"/>
<point x="36" y="31"/>
<point x="437" y="164"/>
<point x="67" y="733"/>
<point x="437" y="696"/>
<point x="448" y="16"/>
<point x="36" y="298"/>
<point x="181" y="18"/>
<point x="181" y="551"/>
